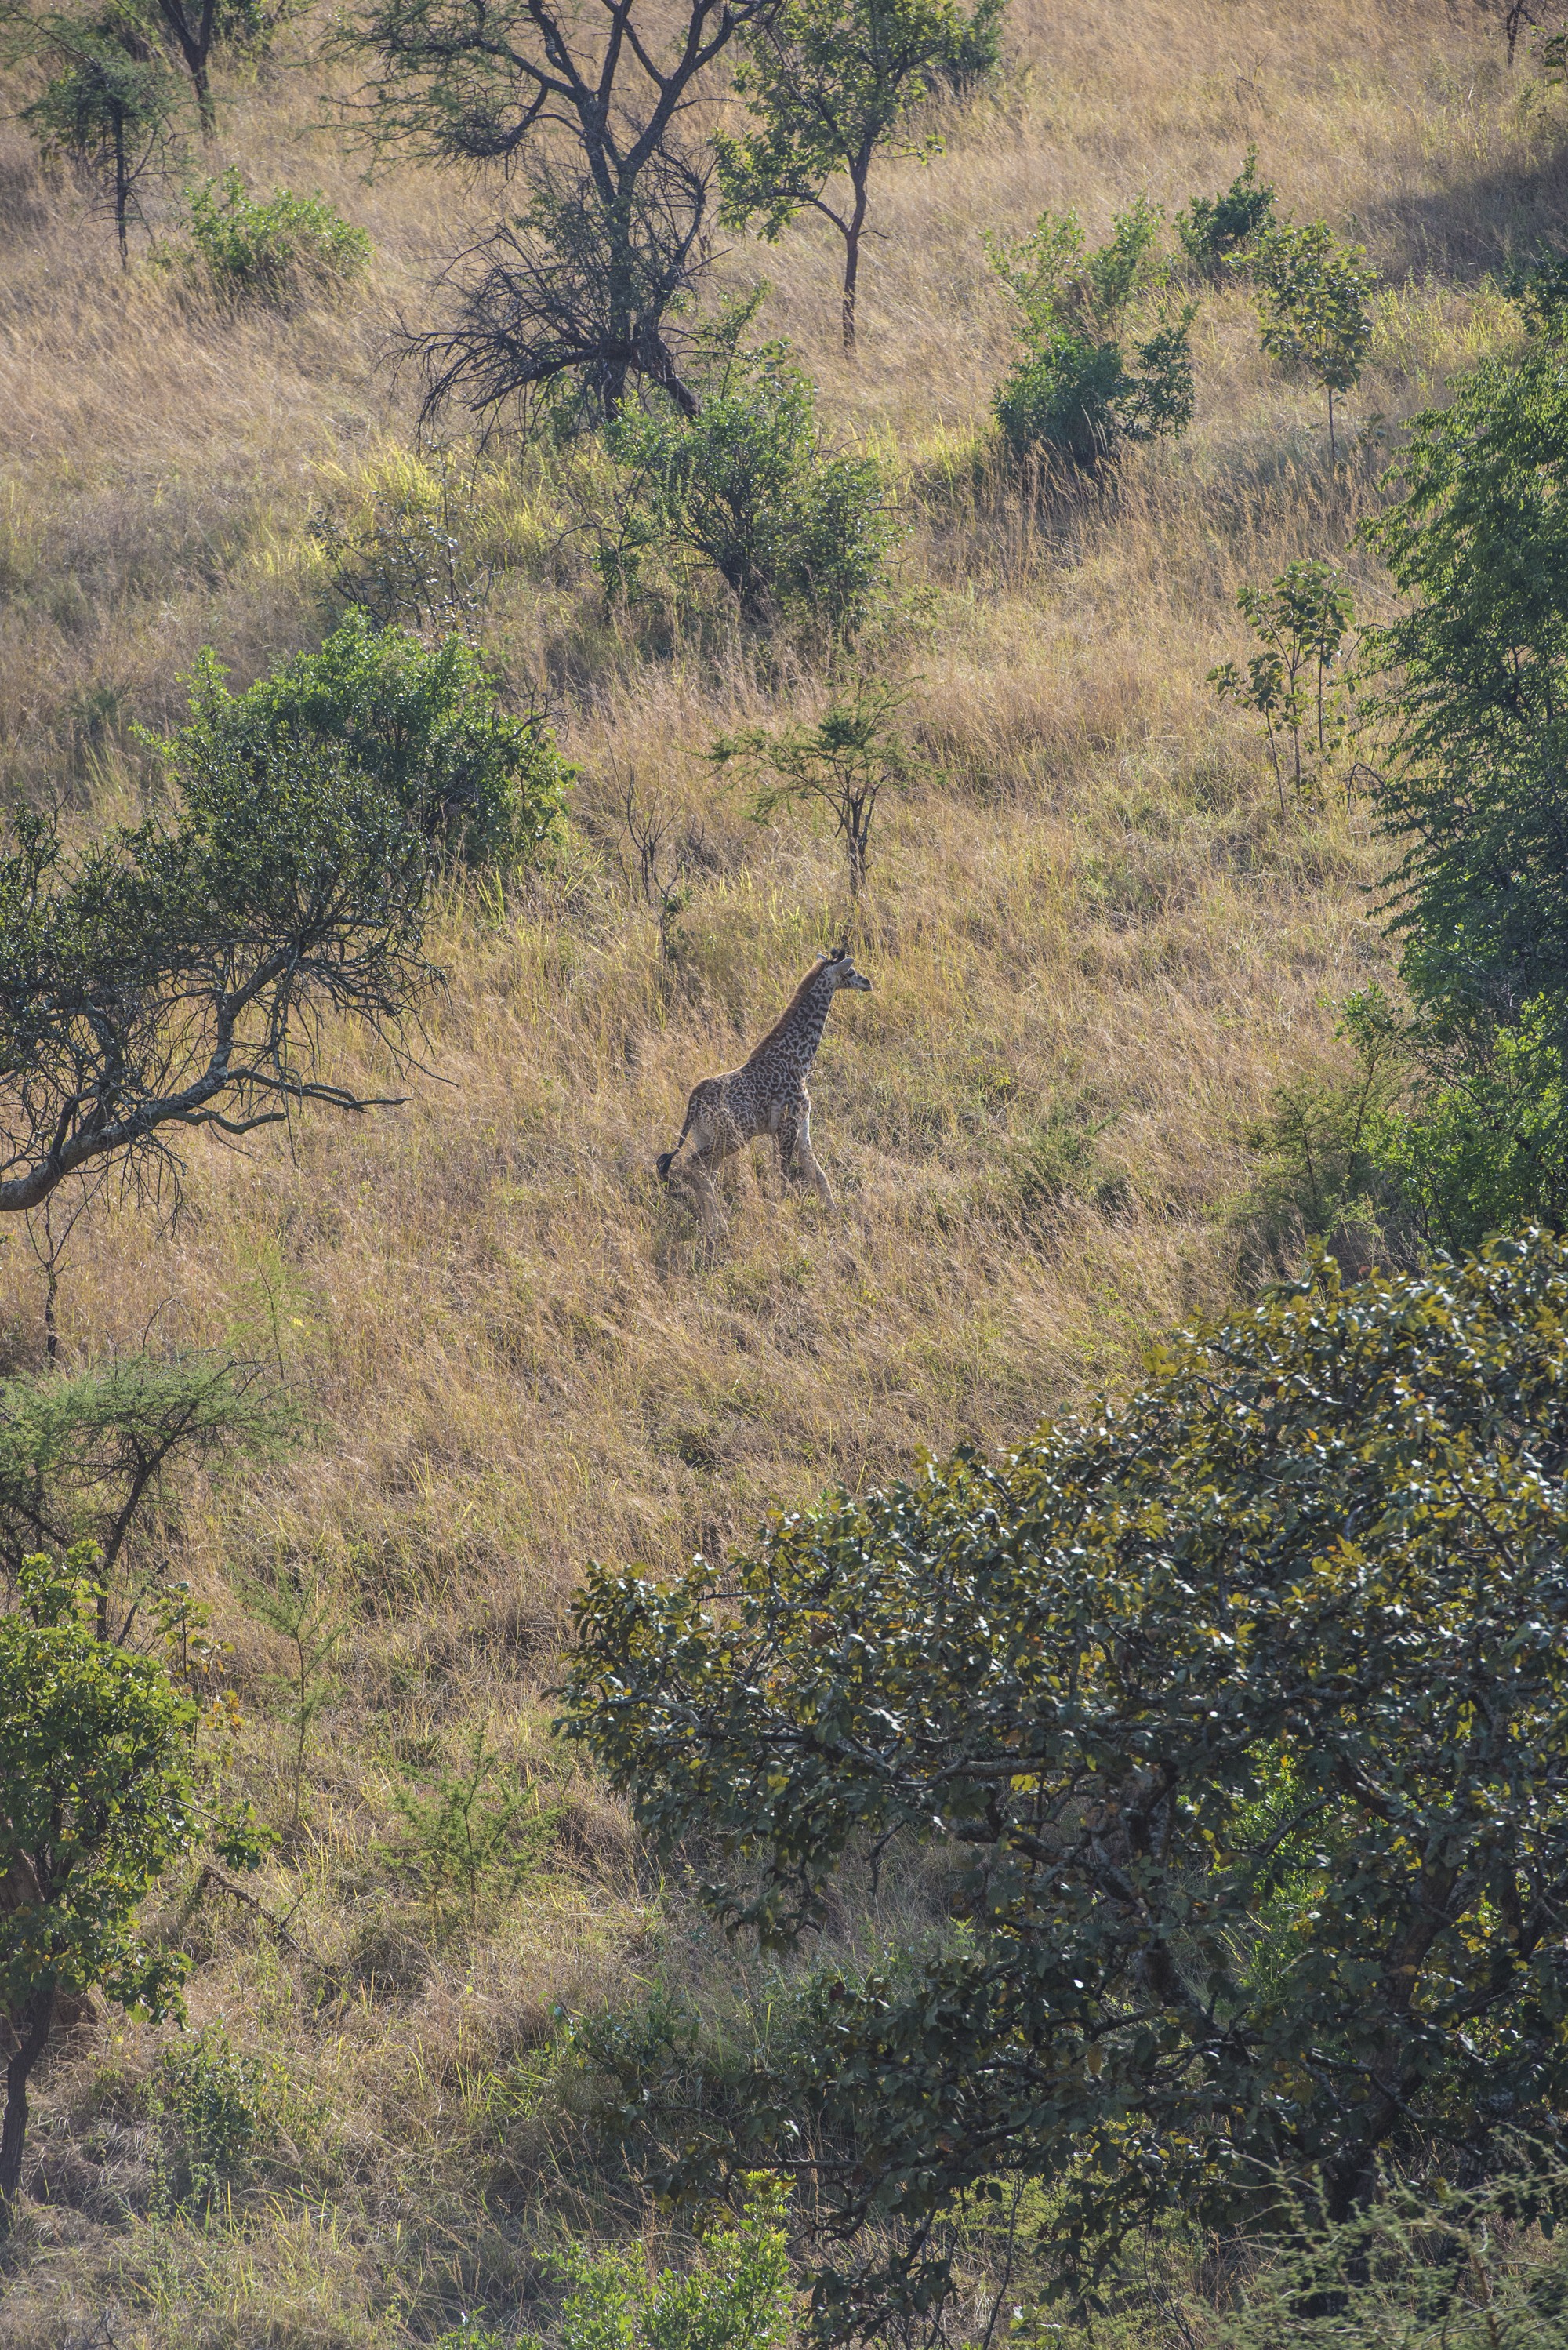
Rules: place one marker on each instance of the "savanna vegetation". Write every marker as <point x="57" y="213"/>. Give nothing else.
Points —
<point x="990" y="1765"/>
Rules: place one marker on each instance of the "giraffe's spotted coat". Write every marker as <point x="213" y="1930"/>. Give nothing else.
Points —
<point x="766" y="1095"/>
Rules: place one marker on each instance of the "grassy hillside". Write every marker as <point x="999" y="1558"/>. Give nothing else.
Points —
<point x="1097" y="947"/>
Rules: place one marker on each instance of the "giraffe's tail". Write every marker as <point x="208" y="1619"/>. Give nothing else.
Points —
<point x="666" y="1159"/>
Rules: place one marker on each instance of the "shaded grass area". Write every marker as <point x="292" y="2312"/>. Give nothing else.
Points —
<point x="1097" y="945"/>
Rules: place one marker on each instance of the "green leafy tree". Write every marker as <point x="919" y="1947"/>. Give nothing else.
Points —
<point x="833" y="85"/>
<point x="736" y="2296"/>
<point x="95" y="1800"/>
<point x="1239" y="1713"/>
<point x="584" y="286"/>
<point x="179" y="973"/>
<point x="1216" y="233"/>
<point x="1086" y="383"/>
<point x="421" y="724"/>
<point x="844" y="763"/>
<point x="750" y="490"/>
<point x="310" y="1623"/>
<point x="108" y="108"/>
<point x="1314" y="294"/>
<point x="1302" y="620"/>
<point x="267" y="252"/>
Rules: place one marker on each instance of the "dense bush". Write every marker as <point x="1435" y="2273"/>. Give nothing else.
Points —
<point x="1099" y="366"/>
<point x="1240" y="1712"/>
<point x="749" y="491"/>
<point x="737" y="2295"/>
<point x="423" y="724"/>
<point x="1215" y="231"/>
<point x="268" y="252"/>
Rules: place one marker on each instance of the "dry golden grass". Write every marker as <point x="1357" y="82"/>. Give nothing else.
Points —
<point x="516" y="1352"/>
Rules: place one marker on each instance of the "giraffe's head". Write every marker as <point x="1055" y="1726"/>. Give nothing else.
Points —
<point x="841" y="969"/>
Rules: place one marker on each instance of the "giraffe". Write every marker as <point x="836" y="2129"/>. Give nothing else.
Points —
<point x="767" y="1096"/>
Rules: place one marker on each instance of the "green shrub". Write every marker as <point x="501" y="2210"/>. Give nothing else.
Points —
<point x="209" y="2105"/>
<point x="423" y="722"/>
<point x="750" y="492"/>
<point x="270" y="251"/>
<point x="1237" y="1712"/>
<point x="1089" y="379"/>
<point x="736" y="2296"/>
<point x="470" y="1840"/>
<point x="1296" y="683"/>
<point x="1215" y="231"/>
<point x="1484" y="1147"/>
<point x="1314" y="294"/>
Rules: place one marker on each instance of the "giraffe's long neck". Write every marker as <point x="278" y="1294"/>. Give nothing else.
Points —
<point x="804" y="1033"/>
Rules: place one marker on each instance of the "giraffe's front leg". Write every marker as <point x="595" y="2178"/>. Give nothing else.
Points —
<point x="805" y="1158"/>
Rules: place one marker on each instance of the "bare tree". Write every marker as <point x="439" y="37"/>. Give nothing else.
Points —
<point x="594" y="103"/>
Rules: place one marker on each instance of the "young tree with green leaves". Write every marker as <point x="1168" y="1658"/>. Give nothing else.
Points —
<point x="108" y="108"/>
<point x="833" y="85"/>
<point x="471" y="1840"/>
<point x="1314" y="292"/>
<point x="736" y="2295"/>
<point x="1102" y="363"/>
<point x="1302" y="620"/>
<point x="95" y="1800"/>
<point x="1256" y="1815"/>
<point x="844" y="763"/>
<point x="1216" y="233"/>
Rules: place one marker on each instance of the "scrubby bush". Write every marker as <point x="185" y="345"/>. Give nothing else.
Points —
<point x="108" y="108"/>
<point x="268" y="252"/>
<point x="1089" y="377"/>
<point x="209" y="2103"/>
<point x="750" y="491"/>
<point x="1238" y="1711"/>
<point x="1216" y="232"/>
<point x="424" y="723"/>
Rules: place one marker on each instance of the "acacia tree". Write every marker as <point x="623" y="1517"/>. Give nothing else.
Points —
<point x="594" y="111"/>
<point x="108" y="110"/>
<point x="831" y="85"/>
<point x="1240" y="1712"/>
<point x="179" y="974"/>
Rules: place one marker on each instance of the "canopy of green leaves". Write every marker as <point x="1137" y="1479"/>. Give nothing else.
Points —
<point x="1216" y="230"/>
<point x="1314" y="293"/>
<point x="735" y="2297"/>
<point x="95" y="1799"/>
<point x="1241" y="1712"/>
<point x="175" y="973"/>
<point x="421" y="723"/>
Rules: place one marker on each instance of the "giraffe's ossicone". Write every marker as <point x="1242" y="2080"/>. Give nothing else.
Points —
<point x="766" y="1095"/>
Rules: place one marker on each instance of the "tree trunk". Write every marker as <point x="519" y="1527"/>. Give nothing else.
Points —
<point x="33" y="2030"/>
<point x="852" y="260"/>
<point x="121" y="186"/>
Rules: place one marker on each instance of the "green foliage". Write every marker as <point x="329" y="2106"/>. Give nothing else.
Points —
<point x="843" y="764"/>
<point x="1216" y="233"/>
<point x="209" y="2106"/>
<point x="108" y="111"/>
<point x="1314" y="294"/>
<point x="749" y="491"/>
<point x="95" y="1800"/>
<point x="1089" y="380"/>
<point x="1319" y="1552"/>
<point x="831" y="85"/>
<point x="1325" y="1144"/>
<point x="1483" y="1148"/>
<point x="270" y="251"/>
<point x="180" y="972"/>
<point x="1302" y="620"/>
<point x="736" y="2296"/>
<point x="472" y="1841"/>
<point x="422" y="724"/>
<point x="1473" y="673"/>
